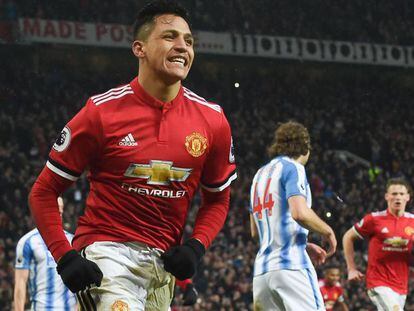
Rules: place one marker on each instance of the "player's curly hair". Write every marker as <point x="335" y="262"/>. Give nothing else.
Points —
<point x="399" y="181"/>
<point x="145" y="21"/>
<point x="291" y="139"/>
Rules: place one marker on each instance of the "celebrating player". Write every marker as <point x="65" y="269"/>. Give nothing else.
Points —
<point x="390" y="235"/>
<point x="281" y="215"/>
<point x="148" y="145"/>
<point x="331" y="289"/>
<point x="36" y="266"/>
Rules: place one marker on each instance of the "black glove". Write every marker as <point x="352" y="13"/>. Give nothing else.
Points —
<point x="77" y="272"/>
<point x="190" y="295"/>
<point x="182" y="261"/>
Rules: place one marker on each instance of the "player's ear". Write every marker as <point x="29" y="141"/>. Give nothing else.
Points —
<point x="138" y="48"/>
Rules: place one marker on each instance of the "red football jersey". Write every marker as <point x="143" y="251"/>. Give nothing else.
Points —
<point x="146" y="159"/>
<point x="389" y="249"/>
<point x="331" y="294"/>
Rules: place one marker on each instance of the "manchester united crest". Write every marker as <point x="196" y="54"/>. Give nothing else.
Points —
<point x="409" y="231"/>
<point x="196" y="144"/>
<point x="119" y="305"/>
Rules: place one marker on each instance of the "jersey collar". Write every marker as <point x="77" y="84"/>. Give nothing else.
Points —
<point x="146" y="98"/>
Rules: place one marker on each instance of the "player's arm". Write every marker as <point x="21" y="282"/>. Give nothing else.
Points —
<point x="316" y="253"/>
<point x="253" y="228"/>
<point x="182" y="261"/>
<point x="45" y="211"/>
<point x="20" y="287"/>
<point x="78" y="145"/>
<point x="218" y="173"/>
<point x="340" y="305"/>
<point x="349" y="252"/>
<point x="308" y="219"/>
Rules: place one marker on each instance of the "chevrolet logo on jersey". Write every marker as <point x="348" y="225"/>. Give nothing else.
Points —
<point x="396" y="242"/>
<point x="158" y="172"/>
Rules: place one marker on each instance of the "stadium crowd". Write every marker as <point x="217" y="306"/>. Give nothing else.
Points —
<point x="362" y="21"/>
<point x="337" y="106"/>
<point x="364" y="111"/>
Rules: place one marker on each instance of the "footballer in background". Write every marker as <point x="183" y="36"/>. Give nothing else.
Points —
<point x="331" y="289"/>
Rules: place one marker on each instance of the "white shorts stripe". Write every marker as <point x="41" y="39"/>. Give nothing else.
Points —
<point x="60" y="172"/>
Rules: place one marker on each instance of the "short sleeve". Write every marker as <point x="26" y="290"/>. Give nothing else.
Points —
<point x="294" y="180"/>
<point x="365" y="227"/>
<point x="78" y="145"/>
<point x="24" y="254"/>
<point x="220" y="167"/>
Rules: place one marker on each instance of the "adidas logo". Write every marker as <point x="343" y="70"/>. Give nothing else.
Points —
<point x="384" y="230"/>
<point x="128" y="141"/>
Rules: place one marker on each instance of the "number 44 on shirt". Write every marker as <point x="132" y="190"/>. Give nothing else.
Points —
<point x="258" y="207"/>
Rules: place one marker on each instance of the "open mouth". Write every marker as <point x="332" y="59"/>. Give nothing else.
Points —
<point x="179" y="60"/>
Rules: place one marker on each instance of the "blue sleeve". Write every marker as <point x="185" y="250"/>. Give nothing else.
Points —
<point x="24" y="254"/>
<point x="294" y="179"/>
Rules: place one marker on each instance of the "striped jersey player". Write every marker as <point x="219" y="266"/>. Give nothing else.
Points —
<point x="284" y="276"/>
<point x="46" y="289"/>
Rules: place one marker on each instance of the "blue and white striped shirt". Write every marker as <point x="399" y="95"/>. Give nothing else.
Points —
<point x="46" y="289"/>
<point x="282" y="240"/>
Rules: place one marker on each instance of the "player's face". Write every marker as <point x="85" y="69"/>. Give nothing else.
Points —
<point x="397" y="197"/>
<point x="168" y="51"/>
<point x="332" y="276"/>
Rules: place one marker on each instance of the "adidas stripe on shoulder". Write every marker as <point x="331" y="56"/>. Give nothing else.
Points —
<point x="112" y="94"/>
<point x="200" y="100"/>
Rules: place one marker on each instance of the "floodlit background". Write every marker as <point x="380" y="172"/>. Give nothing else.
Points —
<point x="343" y="68"/>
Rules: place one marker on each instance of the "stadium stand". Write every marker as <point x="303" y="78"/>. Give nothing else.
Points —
<point x="363" y="110"/>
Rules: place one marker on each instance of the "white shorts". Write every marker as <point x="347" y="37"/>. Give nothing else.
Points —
<point x="133" y="278"/>
<point x="386" y="299"/>
<point x="287" y="290"/>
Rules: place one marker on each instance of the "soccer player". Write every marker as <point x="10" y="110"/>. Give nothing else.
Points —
<point x="36" y="266"/>
<point x="390" y="234"/>
<point x="331" y="289"/>
<point x="281" y="215"/>
<point x="148" y="146"/>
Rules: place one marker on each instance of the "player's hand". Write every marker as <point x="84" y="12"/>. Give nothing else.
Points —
<point x="355" y="275"/>
<point x="316" y="253"/>
<point x="77" y="272"/>
<point x="182" y="261"/>
<point x="190" y="295"/>
<point x="331" y="240"/>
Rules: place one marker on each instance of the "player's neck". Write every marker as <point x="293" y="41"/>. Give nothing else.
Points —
<point x="396" y="213"/>
<point x="158" y="89"/>
<point x="301" y="159"/>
